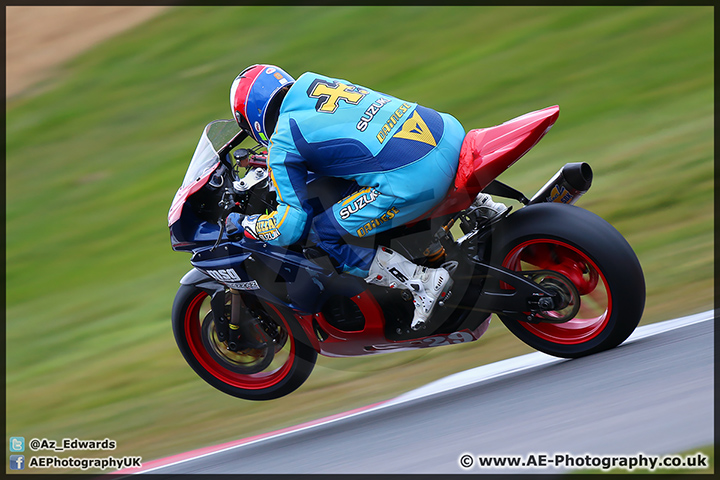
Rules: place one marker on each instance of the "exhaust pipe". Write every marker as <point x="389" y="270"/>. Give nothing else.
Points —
<point x="567" y="185"/>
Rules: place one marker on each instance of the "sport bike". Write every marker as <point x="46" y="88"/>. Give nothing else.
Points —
<point x="250" y="318"/>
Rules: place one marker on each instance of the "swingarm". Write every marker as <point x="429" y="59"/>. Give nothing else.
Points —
<point x="528" y="296"/>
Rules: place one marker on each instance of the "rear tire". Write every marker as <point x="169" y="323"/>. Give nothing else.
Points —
<point x="294" y="357"/>
<point x="594" y="256"/>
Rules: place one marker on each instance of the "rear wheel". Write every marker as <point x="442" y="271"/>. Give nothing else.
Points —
<point x="252" y="374"/>
<point x="608" y="297"/>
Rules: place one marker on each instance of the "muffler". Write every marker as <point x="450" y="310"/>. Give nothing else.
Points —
<point x="567" y="185"/>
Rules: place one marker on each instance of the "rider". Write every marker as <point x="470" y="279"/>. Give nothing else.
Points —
<point x="401" y="157"/>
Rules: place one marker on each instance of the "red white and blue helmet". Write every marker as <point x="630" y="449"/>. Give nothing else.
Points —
<point x="255" y="98"/>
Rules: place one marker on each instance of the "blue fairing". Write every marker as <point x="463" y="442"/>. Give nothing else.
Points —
<point x="189" y="233"/>
<point x="282" y="277"/>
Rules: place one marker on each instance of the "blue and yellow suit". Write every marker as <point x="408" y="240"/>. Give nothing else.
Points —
<point x="401" y="157"/>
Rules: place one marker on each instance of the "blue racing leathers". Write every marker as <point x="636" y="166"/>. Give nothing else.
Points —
<point x="401" y="158"/>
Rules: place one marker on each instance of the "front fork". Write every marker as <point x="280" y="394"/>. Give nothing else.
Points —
<point x="228" y="330"/>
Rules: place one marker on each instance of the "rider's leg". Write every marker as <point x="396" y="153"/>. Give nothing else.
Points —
<point x="383" y="267"/>
<point x="427" y="285"/>
<point x="369" y="211"/>
<point x="396" y="197"/>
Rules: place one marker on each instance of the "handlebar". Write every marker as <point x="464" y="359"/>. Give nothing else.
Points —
<point x="245" y="158"/>
<point x="258" y="161"/>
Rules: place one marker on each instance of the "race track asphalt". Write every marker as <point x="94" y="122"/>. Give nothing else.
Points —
<point x="653" y="395"/>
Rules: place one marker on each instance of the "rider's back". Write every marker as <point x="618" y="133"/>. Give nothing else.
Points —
<point x="344" y="130"/>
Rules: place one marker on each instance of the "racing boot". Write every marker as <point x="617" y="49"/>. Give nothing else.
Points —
<point x="487" y="209"/>
<point x="427" y="285"/>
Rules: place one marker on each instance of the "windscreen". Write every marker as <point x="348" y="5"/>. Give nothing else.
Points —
<point x="217" y="134"/>
<point x="205" y="160"/>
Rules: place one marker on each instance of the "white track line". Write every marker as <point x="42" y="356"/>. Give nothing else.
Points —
<point x="532" y="360"/>
<point x="457" y="380"/>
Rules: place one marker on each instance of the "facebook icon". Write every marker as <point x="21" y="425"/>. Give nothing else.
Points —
<point x="17" y="462"/>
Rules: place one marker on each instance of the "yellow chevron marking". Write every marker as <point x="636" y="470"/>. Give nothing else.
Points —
<point x="416" y="129"/>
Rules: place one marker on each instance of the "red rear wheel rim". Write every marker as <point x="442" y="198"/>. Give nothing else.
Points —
<point x="269" y="377"/>
<point x="595" y="296"/>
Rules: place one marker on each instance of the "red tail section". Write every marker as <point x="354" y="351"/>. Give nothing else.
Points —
<point x="487" y="152"/>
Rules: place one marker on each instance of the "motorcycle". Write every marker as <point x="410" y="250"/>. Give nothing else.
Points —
<point x="250" y="318"/>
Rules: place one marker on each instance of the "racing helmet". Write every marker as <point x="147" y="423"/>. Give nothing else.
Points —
<point x="255" y="98"/>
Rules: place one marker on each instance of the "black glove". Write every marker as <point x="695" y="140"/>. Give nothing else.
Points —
<point x="233" y="224"/>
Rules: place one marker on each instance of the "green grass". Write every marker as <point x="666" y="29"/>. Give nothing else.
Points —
<point x="95" y="154"/>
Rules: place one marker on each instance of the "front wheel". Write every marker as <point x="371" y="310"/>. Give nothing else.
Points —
<point x="250" y="374"/>
<point x="590" y="253"/>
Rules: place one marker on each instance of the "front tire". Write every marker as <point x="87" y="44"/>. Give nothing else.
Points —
<point x="293" y="359"/>
<point x="594" y="256"/>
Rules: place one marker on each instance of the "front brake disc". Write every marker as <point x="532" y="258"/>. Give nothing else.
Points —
<point x="246" y="362"/>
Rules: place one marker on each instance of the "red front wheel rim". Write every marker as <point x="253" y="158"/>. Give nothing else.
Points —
<point x="272" y="375"/>
<point x="595" y="296"/>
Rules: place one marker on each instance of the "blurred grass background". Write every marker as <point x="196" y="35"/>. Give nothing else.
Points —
<point x="94" y="159"/>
